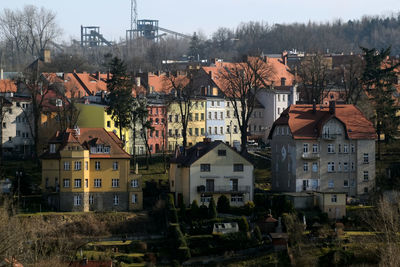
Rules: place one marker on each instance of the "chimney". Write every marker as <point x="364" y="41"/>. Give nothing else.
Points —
<point x="314" y="107"/>
<point x="108" y="75"/>
<point x="1" y="74"/>
<point x="284" y="57"/>
<point x="332" y="107"/>
<point x="98" y="75"/>
<point x="45" y="55"/>
<point x="210" y="74"/>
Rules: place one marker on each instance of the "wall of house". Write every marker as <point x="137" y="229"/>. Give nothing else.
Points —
<point x="215" y="118"/>
<point x="335" y="210"/>
<point x="233" y="135"/>
<point x="368" y="147"/>
<point x="158" y="138"/>
<point x="222" y="172"/>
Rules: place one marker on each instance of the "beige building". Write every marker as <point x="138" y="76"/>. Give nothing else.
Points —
<point x="209" y="170"/>
<point x="323" y="148"/>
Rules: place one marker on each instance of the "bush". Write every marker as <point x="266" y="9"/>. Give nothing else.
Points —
<point x="170" y="201"/>
<point x="249" y="208"/>
<point x="212" y="209"/>
<point x="257" y="233"/>
<point x="243" y="224"/>
<point x="182" y="210"/>
<point x="223" y="205"/>
<point x="173" y="216"/>
<point x="194" y="210"/>
<point x="203" y="212"/>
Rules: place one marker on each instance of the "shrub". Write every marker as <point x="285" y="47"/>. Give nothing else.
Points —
<point x="170" y="201"/>
<point x="173" y="216"/>
<point x="212" y="209"/>
<point x="203" y="212"/>
<point x="243" y="224"/>
<point x="257" y="233"/>
<point x="223" y="205"/>
<point x="182" y="210"/>
<point x="194" y="210"/>
<point x="249" y="208"/>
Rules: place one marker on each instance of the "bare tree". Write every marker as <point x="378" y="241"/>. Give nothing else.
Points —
<point x="314" y="73"/>
<point x="28" y="31"/>
<point x="241" y="82"/>
<point x="182" y="95"/>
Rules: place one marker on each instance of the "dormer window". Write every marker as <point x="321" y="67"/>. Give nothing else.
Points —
<point x="99" y="149"/>
<point x="58" y="102"/>
<point x="52" y="148"/>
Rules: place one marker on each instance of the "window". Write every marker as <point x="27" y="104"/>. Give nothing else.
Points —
<point x="221" y="130"/>
<point x="305" y="167"/>
<point x="116" y="200"/>
<point x="221" y="152"/>
<point x="204" y="199"/>
<point x="78" y="183"/>
<point x="176" y="118"/>
<point x="352" y="166"/>
<point x="279" y="97"/>
<point x="115" y="182"/>
<point x="86" y="183"/>
<point x="66" y="182"/>
<point x="334" y="198"/>
<point x="339" y="167"/>
<point x="237" y="167"/>
<point x="170" y="132"/>
<point x="18" y="133"/>
<point x="77" y="200"/>
<point x="237" y="198"/>
<point x="331" y="184"/>
<point x="202" y="116"/>
<point x="315" y="148"/>
<point x="235" y="129"/>
<point x="366" y="176"/>
<point x="331" y="148"/>
<point x="108" y="124"/>
<point x="279" y="110"/>
<point x="365" y="158"/>
<point x="346" y="183"/>
<point x="134" y="198"/>
<point x="196" y="116"/>
<point x="134" y="183"/>
<point x="97" y="165"/>
<point x="315" y="167"/>
<point x="52" y="148"/>
<point x="331" y="166"/>
<point x="345" y="149"/>
<point x="202" y="131"/>
<point x="86" y="165"/>
<point x="212" y="103"/>
<point x="215" y="130"/>
<point x="78" y="166"/>
<point x="228" y="115"/>
<point x="157" y="121"/>
<point x="209" y="115"/>
<point x="305" y="148"/>
<point x="205" y="167"/>
<point x="190" y="132"/>
<point x="66" y="166"/>
<point x="91" y="200"/>
<point x="196" y="131"/>
<point x="222" y="115"/>
<point x="216" y="115"/>
<point x="345" y="166"/>
<point x="339" y="148"/>
<point x="97" y="183"/>
<point x="365" y="189"/>
<point x="170" y="118"/>
<point x="353" y="149"/>
<point x="228" y="130"/>
<point x="4" y="125"/>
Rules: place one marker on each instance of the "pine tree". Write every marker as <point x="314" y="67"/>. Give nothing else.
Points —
<point x="212" y="209"/>
<point x="378" y="78"/>
<point x="120" y="94"/>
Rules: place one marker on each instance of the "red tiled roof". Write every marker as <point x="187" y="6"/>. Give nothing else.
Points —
<point x="305" y="124"/>
<point x="8" y="86"/>
<point x="86" y="138"/>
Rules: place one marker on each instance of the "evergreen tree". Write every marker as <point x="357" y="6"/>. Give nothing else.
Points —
<point x="378" y="78"/>
<point x="120" y="95"/>
<point x="223" y="205"/>
<point x="212" y="209"/>
<point x="194" y="210"/>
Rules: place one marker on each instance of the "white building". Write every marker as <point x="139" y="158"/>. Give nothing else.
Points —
<point x="215" y="118"/>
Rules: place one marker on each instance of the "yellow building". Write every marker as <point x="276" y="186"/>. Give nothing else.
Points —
<point x="96" y="116"/>
<point x="196" y="126"/>
<point x="86" y="169"/>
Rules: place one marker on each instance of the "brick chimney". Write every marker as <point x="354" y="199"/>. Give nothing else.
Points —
<point x="314" y="107"/>
<point x="284" y="57"/>
<point x="332" y="107"/>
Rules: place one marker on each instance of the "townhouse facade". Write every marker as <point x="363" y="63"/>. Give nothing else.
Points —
<point x="209" y="170"/>
<point x="157" y="113"/>
<point x="85" y="169"/>
<point x="215" y="121"/>
<point x="325" y="149"/>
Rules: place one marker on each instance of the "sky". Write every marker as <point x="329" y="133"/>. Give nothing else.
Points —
<point x="188" y="16"/>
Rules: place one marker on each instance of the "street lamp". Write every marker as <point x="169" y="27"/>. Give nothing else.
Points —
<point x="18" y="174"/>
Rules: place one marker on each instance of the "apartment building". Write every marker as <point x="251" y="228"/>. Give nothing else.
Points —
<point x="85" y="169"/>
<point x="215" y="118"/>
<point x="17" y="139"/>
<point x="208" y="170"/>
<point x="157" y="115"/>
<point x="323" y="148"/>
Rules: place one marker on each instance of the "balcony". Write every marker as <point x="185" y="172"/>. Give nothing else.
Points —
<point x="310" y="156"/>
<point x="224" y="189"/>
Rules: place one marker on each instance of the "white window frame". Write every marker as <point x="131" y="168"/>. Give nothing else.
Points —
<point x="66" y="183"/>
<point x="315" y="166"/>
<point x="331" y="166"/>
<point x="365" y="158"/>
<point x="305" y="166"/>
<point x="77" y="200"/>
<point x="67" y="165"/>
<point x="116" y="200"/>
<point x="77" y="165"/>
<point x="115" y="183"/>
<point x="78" y="183"/>
<point x="115" y="165"/>
<point x="91" y="199"/>
<point x="334" y="198"/>
<point x="97" y="165"/>
<point x="134" y="183"/>
<point x="97" y="183"/>
<point x="331" y="148"/>
<point x="365" y="176"/>
<point x="305" y="148"/>
<point x="331" y="184"/>
<point x="134" y="198"/>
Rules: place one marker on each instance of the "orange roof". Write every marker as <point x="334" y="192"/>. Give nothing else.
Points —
<point x="8" y="86"/>
<point x="305" y="124"/>
<point x="87" y="138"/>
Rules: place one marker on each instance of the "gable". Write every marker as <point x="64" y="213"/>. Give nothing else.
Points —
<point x="213" y="158"/>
